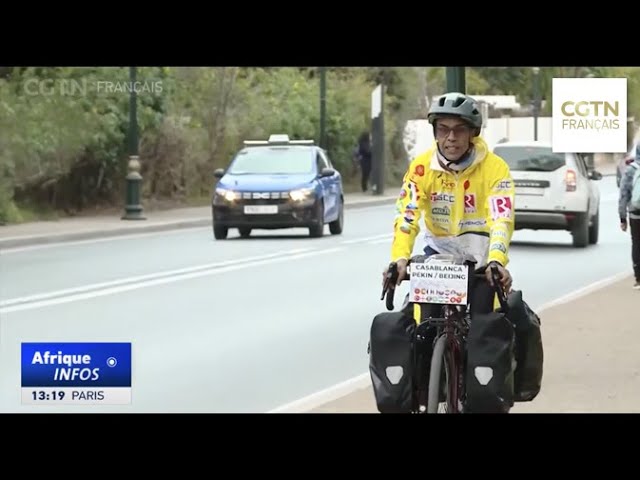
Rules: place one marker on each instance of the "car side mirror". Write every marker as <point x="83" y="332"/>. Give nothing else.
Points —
<point x="218" y="173"/>
<point x="327" y="172"/>
<point x="595" y="175"/>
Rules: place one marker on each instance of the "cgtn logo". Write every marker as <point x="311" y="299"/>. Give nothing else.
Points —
<point x="589" y="115"/>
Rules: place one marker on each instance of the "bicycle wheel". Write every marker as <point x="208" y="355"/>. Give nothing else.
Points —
<point x="435" y="375"/>
<point x="444" y="379"/>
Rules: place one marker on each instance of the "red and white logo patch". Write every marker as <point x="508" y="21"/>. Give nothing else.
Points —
<point x="501" y="207"/>
<point x="469" y="203"/>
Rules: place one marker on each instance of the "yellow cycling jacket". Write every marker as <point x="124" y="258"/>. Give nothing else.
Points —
<point x="471" y="211"/>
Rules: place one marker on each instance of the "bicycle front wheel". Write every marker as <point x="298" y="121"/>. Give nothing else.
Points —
<point x="442" y="378"/>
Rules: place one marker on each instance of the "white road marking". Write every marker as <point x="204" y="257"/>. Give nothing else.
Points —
<point x="53" y="298"/>
<point x="383" y="236"/>
<point x="128" y="236"/>
<point x="325" y="396"/>
<point x="140" y="278"/>
<point x="381" y="240"/>
<point x="363" y="380"/>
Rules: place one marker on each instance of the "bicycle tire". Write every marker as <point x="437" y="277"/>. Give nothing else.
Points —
<point x="437" y="362"/>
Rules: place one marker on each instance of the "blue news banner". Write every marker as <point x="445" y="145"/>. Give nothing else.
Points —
<point x="76" y="373"/>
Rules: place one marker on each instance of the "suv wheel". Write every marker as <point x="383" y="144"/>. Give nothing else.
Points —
<point x="335" y="227"/>
<point x="580" y="230"/>
<point x="594" y="229"/>
<point x="317" y="229"/>
<point x="220" y="233"/>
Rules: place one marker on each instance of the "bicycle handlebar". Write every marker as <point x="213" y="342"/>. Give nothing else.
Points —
<point x="497" y="285"/>
<point x="389" y="286"/>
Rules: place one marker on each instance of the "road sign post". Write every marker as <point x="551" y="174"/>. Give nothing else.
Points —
<point x="377" y="138"/>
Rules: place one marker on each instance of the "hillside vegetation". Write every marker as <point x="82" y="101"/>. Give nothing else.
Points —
<point x="64" y="142"/>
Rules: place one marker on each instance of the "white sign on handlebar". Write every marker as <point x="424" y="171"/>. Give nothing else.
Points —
<point x="439" y="282"/>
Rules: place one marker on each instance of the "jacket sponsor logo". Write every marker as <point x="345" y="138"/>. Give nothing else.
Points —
<point x="404" y="228"/>
<point x="500" y="233"/>
<point x="472" y="223"/>
<point x="414" y="191"/>
<point x="441" y="211"/>
<point x="504" y="185"/>
<point x="409" y="215"/>
<point x="448" y="184"/>
<point x="467" y="184"/>
<point x="419" y="170"/>
<point x="499" y="246"/>
<point x="442" y="197"/>
<point x="469" y="203"/>
<point x="501" y="207"/>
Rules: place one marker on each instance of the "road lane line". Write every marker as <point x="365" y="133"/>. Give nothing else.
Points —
<point x="381" y="240"/>
<point x="160" y="281"/>
<point x="384" y="236"/>
<point x="71" y="243"/>
<point x="363" y="380"/>
<point x="142" y="278"/>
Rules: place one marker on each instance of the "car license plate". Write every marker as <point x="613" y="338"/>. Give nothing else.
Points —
<point x="260" y="209"/>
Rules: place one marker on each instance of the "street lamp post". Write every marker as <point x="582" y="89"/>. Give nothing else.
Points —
<point x="323" y="107"/>
<point x="133" y="207"/>
<point x="456" y="79"/>
<point x="536" y="100"/>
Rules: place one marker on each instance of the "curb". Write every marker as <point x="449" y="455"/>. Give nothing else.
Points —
<point x="25" y="241"/>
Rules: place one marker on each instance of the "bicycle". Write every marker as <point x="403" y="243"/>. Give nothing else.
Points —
<point x="450" y="319"/>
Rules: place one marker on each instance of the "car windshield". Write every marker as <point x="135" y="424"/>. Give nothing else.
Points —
<point x="532" y="159"/>
<point x="273" y="160"/>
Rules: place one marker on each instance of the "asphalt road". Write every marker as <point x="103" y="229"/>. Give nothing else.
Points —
<point x="243" y="325"/>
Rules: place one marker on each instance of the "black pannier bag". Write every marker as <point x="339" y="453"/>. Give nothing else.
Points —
<point x="391" y="361"/>
<point x="529" y="351"/>
<point x="490" y="364"/>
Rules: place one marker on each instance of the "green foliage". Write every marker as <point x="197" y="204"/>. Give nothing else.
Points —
<point x="65" y="130"/>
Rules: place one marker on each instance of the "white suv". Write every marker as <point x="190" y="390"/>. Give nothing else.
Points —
<point x="554" y="191"/>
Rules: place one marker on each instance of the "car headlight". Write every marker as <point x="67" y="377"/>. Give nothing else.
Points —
<point x="228" y="195"/>
<point x="302" y="194"/>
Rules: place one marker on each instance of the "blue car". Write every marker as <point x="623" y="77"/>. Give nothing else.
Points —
<point x="275" y="184"/>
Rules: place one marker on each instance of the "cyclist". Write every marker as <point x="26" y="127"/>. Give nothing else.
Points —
<point x="466" y="194"/>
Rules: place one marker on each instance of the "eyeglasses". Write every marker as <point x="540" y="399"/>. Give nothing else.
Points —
<point x="443" y="131"/>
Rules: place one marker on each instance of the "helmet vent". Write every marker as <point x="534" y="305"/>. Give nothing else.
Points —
<point x="459" y="101"/>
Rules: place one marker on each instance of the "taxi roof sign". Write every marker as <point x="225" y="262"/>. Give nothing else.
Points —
<point x="278" y="139"/>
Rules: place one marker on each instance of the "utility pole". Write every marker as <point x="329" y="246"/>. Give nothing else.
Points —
<point x="323" y="107"/>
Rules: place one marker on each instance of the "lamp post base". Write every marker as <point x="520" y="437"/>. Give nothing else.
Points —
<point x="133" y="207"/>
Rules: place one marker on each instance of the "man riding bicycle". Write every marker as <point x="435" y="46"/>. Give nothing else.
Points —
<point x="466" y="194"/>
